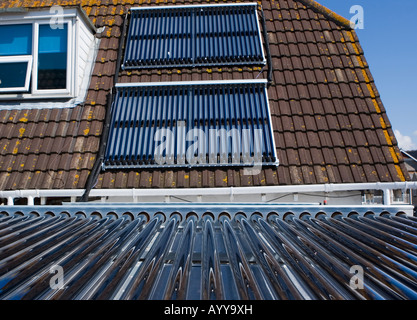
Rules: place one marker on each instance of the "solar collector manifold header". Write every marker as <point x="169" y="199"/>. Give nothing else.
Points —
<point x="190" y="124"/>
<point x="188" y="36"/>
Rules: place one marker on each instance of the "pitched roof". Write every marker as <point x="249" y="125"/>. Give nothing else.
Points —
<point x="153" y="253"/>
<point x="330" y="125"/>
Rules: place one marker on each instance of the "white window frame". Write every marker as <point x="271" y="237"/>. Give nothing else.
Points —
<point x="35" y="46"/>
<point x="36" y="21"/>
<point x="17" y="59"/>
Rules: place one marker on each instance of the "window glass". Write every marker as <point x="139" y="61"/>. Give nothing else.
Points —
<point x="52" y="57"/>
<point x="16" y="40"/>
<point x="13" y="74"/>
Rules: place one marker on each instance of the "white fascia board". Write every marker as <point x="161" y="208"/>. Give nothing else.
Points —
<point x="46" y="13"/>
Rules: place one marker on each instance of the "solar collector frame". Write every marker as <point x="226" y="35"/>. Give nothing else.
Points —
<point x="192" y="36"/>
<point x="141" y="111"/>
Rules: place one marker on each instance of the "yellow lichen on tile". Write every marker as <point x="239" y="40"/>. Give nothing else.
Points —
<point x="377" y="108"/>
<point x="24" y="118"/>
<point x="76" y="179"/>
<point x="21" y="132"/>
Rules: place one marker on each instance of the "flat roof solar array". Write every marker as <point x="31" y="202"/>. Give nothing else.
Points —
<point x="168" y="255"/>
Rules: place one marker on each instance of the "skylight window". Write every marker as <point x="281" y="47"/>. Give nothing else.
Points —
<point x="190" y="124"/>
<point x="198" y="35"/>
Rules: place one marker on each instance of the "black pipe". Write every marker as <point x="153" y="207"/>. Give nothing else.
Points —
<point x="268" y="53"/>
<point x="119" y="54"/>
<point x="95" y="171"/>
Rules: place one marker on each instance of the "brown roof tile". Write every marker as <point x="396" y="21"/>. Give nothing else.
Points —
<point x="328" y="125"/>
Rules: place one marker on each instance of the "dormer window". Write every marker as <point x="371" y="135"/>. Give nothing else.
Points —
<point x="34" y="52"/>
<point x="44" y="54"/>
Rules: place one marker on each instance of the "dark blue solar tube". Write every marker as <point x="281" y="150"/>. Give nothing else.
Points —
<point x="203" y="36"/>
<point x="219" y="112"/>
<point x="148" y="109"/>
<point x="127" y="132"/>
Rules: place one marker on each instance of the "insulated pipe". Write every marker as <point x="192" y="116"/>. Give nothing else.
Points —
<point x="328" y="188"/>
<point x="387" y="197"/>
<point x="234" y="191"/>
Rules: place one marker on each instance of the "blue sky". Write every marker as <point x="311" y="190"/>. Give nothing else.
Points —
<point x="389" y="40"/>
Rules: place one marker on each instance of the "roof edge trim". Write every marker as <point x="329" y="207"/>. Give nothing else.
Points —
<point x="13" y="10"/>
<point x="338" y="19"/>
<point x="81" y="13"/>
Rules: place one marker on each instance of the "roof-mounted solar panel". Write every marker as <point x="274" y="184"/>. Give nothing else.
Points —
<point x="181" y="36"/>
<point x="189" y="124"/>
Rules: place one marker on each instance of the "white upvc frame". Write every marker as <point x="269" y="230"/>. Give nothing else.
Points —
<point x="70" y="56"/>
<point x="17" y="59"/>
<point x="69" y="91"/>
